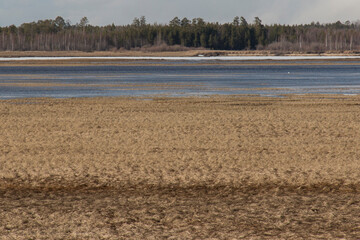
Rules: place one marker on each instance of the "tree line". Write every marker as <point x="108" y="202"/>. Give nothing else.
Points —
<point x="60" y="35"/>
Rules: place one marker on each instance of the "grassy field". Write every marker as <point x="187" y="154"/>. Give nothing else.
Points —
<point x="180" y="168"/>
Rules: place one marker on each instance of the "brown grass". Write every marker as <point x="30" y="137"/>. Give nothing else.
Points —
<point x="169" y="51"/>
<point x="151" y="52"/>
<point x="123" y="62"/>
<point x="206" y="168"/>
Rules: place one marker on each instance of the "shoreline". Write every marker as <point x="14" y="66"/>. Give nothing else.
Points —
<point x="191" y="58"/>
<point x="188" y="53"/>
<point x="157" y="60"/>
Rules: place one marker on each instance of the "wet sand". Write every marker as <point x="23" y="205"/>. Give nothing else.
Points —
<point x="182" y="168"/>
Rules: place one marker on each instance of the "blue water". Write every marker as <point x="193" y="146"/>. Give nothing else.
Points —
<point x="171" y="79"/>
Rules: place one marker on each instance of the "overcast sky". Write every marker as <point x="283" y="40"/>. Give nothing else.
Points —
<point x="103" y="12"/>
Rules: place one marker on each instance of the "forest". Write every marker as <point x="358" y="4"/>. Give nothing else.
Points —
<point x="180" y="34"/>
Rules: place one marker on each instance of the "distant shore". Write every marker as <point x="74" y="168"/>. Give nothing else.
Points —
<point x="201" y="57"/>
<point x="188" y="53"/>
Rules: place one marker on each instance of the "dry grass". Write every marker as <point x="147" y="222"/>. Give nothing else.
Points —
<point x="169" y="51"/>
<point x="151" y="52"/>
<point x="218" y="167"/>
<point x="123" y="62"/>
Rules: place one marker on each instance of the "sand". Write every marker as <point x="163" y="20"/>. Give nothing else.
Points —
<point x="222" y="167"/>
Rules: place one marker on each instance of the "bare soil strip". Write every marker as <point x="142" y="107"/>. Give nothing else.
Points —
<point x="183" y="168"/>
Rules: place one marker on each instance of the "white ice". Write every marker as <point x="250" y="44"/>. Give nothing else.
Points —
<point x="201" y="58"/>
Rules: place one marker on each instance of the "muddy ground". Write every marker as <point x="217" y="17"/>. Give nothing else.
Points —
<point x="231" y="167"/>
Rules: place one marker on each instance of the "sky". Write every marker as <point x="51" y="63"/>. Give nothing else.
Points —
<point x="122" y="12"/>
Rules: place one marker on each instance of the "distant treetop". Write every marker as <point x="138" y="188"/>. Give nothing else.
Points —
<point x="59" y="34"/>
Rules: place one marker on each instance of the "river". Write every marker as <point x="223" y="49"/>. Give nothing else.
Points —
<point x="182" y="77"/>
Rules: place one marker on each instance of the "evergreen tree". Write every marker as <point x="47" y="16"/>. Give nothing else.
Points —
<point x="59" y="34"/>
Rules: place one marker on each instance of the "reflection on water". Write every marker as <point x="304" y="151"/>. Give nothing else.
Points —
<point x="182" y="79"/>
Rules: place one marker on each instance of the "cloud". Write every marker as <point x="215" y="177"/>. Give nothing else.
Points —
<point x="326" y="11"/>
<point x="123" y="11"/>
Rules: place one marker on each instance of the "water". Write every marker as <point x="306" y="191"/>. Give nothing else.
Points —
<point x="180" y="78"/>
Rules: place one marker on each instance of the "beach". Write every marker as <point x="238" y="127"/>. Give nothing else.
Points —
<point x="217" y="167"/>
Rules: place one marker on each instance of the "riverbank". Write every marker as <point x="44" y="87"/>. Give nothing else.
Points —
<point x="187" y="53"/>
<point x="197" y="60"/>
<point x="221" y="167"/>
